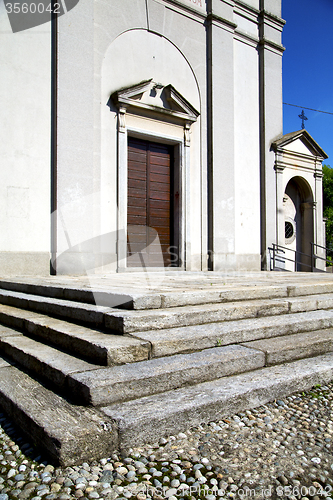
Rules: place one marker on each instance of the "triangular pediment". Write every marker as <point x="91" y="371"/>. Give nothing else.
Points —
<point x="156" y="97"/>
<point x="300" y="142"/>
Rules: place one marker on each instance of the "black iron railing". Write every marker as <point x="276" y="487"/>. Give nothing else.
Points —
<point x="301" y="261"/>
<point x="328" y="252"/>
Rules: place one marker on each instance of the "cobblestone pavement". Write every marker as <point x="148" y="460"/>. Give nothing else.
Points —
<point x="279" y="450"/>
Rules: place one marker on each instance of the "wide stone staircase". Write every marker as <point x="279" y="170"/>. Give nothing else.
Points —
<point x="83" y="380"/>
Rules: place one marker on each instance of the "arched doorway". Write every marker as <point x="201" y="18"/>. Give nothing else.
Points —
<point x="152" y="105"/>
<point x="298" y="207"/>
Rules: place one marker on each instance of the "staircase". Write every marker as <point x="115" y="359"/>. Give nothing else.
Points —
<point x="84" y="380"/>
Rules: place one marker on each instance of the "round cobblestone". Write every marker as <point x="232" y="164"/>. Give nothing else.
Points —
<point x="282" y="449"/>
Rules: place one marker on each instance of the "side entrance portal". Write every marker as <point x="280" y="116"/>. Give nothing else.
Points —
<point x="150" y="207"/>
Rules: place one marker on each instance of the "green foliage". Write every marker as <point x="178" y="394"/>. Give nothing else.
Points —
<point x="328" y="205"/>
<point x="327" y="186"/>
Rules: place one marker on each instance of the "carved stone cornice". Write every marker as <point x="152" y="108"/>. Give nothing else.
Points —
<point x="171" y="102"/>
<point x="279" y="168"/>
<point x="265" y="43"/>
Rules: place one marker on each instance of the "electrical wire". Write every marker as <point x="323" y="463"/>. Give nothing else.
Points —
<point x="311" y="109"/>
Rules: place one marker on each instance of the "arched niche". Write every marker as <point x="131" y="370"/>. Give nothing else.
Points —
<point x="299" y="221"/>
<point x="141" y="56"/>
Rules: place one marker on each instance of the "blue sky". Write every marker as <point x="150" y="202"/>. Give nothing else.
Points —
<point x="308" y="68"/>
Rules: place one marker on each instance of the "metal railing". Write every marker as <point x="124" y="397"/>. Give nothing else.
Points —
<point x="279" y="258"/>
<point x="328" y="259"/>
<point x="301" y="261"/>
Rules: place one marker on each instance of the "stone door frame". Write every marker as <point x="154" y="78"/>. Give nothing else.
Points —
<point x="157" y="124"/>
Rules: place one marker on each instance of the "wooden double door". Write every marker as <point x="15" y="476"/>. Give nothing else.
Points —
<point x="150" y="209"/>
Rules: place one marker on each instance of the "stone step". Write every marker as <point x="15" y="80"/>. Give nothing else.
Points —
<point x="108" y="349"/>
<point x="74" y="311"/>
<point x="147" y="419"/>
<point x="120" y="383"/>
<point x="192" y="338"/>
<point x="86" y="291"/>
<point x="234" y="293"/>
<point x="41" y="360"/>
<point x="68" y="434"/>
<point x="153" y="300"/>
<point x="291" y="347"/>
<point x="71" y="434"/>
<point x="122" y="321"/>
<point x="85" y="295"/>
<point x="135" y="321"/>
<point x="99" y="386"/>
<point x="90" y="344"/>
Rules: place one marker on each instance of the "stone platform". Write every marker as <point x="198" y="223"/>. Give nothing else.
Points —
<point x="147" y="290"/>
<point x="101" y="363"/>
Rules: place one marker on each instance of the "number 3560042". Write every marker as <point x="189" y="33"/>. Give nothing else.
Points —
<point x="32" y="8"/>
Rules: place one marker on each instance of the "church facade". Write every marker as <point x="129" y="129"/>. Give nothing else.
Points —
<point x="144" y="133"/>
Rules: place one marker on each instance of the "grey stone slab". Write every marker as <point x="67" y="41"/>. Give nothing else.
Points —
<point x="14" y="317"/>
<point x="114" y="299"/>
<point x="8" y="332"/>
<point x="133" y="321"/>
<point x="98" y="347"/>
<point x="299" y="304"/>
<point x="135" y="291"/>
<point x="183" y="339"/>
<point x="33" y="288"/>
<point x="69" y="434"/>
<point x="311" y="302"/>
<point x="317" y="286"/>
<point x="102" y="348"/>
<point x="165" y="282"/>
<point x="43" y="360"/>
<point x="12" y="298"/>
<point x="98" y="297"/>
<point x="120" y="383"/>
<point x="151" y="301"/>
<point x="89" y="295"/>
<point x="195" y="297"/>
<point x="4" y="364"/>
<point x="68" y="309"/>
<point x="291" y="347"/>
<point x="325" y="301"/>
<point x="223" y="294"/>
<point x="147" y="419"/>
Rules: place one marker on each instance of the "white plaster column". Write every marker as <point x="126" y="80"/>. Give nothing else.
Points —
<point x="221" y="135"/>
<point x="280" y="216"/>
<point x="122" y="190"/>
<point x="279" y="221"/>
<point x="270" y="88"/>
<point x="186" y="226"/>
<point x="319" y="222"/>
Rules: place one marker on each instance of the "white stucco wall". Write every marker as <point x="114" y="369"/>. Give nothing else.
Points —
<point x="215" y="63"/>
<point x="236" y="139"/>
<point x="25" y="131"/>
<point x="247" y="160"/>
<point x="123" y="54"/>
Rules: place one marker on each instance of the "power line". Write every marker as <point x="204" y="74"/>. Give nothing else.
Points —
<point x="311" y="109"/>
